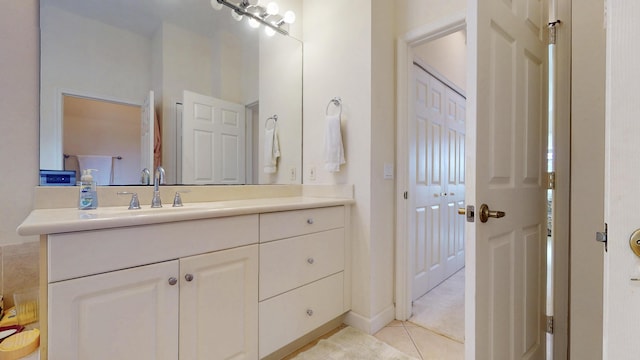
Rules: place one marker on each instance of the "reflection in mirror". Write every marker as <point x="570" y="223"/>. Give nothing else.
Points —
<point x="112" y="53"/>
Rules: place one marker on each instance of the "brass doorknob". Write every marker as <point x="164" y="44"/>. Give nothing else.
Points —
<point x="485" y="213"/>
<point x="462" y="211"/>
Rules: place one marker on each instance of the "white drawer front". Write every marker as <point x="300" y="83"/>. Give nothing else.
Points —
<point x="280" y="225"/>
<point x="84" y="253"/>
<point x="293" y="262"/>
<point x="286" y="317"/>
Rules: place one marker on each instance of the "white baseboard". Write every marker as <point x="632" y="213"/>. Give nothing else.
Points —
<point x="371" y="325"/>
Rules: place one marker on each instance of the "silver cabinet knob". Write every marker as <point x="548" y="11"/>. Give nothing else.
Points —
<point x="310" y="260"/>
<point x="173" y="281"/>
<point x="188" y="277"/>
<point x="310" y="221"/>
<point x="309" y="312"/>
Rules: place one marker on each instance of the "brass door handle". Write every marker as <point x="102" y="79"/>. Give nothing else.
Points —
<point x="485" y="213"/>
<point x="462" y="211"/>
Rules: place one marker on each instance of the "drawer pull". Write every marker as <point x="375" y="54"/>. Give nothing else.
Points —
<point x="310" y="221"/>
<point x="188" y="277"/>
<point x="173" y="281"/>
<point x="309" y="312"/>
<point x="310" y="260"/>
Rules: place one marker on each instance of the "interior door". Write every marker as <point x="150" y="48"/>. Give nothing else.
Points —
<point x="147" y="135"/>
<point x="505" y="148"/>
<point x="437" y="180"/>
<point x="621" y="265"/>
<point x="213" y="140"/>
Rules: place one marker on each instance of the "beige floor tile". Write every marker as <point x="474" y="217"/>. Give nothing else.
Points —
<point x="395" y="323"/>
<point x="398" y="337"/>
<point x="436" y="347"/>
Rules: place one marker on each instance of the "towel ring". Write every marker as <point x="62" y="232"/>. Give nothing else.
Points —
<point x="336" y="101"/>
<point x="274" y="118"/>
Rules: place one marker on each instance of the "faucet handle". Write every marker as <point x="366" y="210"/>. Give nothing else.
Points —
<point x="134" y="204"/>
<point x="177" y="199"/>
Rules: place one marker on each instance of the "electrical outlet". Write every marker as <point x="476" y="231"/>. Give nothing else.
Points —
<point x="292" y="173"/>
<point x="312" y="173"/>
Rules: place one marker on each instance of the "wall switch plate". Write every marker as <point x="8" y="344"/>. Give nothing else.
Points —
<point x="292" y="173"/>
<point x="312" y="173"/>
<point x="388" y="171"/>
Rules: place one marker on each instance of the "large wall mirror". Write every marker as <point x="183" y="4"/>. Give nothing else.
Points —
<point x="172" y="83"/>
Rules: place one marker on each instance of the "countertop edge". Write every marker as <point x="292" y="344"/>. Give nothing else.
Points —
<point x="53" y="221"/>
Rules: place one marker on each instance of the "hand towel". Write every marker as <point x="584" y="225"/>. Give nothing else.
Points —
<point x="104" y="165"/>
<point x="271" y="149"/>
<point x="333" y="149"/>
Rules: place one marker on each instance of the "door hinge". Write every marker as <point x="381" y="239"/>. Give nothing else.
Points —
<point x="602" y="236"/>
<point x="549" y="325"/>
<point x="406" y="195"/>
<point x="551" y="180"/>
<point x="553" y="32"/>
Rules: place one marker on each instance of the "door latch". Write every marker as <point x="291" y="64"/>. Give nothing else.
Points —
<point x="469" y="212"/>
<point x="602" y="237"/>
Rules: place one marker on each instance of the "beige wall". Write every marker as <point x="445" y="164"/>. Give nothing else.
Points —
<point x="448" y="56"/>
<point x="19" y="70"/>
<point x="587" y="179"/>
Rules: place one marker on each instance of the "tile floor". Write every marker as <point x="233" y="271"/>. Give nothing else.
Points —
<point x="436" y="331"/>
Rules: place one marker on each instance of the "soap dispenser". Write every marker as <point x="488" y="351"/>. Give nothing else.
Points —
<point x="88" y="195"/>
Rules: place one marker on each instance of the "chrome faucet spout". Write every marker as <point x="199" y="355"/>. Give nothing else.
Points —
<point x="158" y="178"/>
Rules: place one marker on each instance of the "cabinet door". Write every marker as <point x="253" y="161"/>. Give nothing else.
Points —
<point x="127" y="314"/>
<point x="219" y="305"/>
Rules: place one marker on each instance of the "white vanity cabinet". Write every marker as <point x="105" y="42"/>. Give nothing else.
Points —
<point x="227" y="280"/>
<point x="302" y="273"/>
<point x="159" y="301"/>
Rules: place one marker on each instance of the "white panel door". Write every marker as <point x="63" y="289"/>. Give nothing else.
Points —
<point x="505" y="163"/>
<point x="622" y="129"/>
<point x="455" y="115"/>
<point x="127" y="314"/>
<point x="437" y="180"/>
<point x="219" y="305"/>
<point x="213" y="140"/>
<point x="147" y="133"/>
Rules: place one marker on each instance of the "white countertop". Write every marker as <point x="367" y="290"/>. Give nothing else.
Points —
<point x="61" y="220"/>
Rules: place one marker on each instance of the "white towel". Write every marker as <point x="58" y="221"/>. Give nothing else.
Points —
<point x="271" y="149"/>
<point x="333" y="149"/>
<point x="104" y="165"/>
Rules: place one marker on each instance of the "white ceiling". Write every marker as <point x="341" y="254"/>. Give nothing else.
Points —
<point x="144" y="16"/>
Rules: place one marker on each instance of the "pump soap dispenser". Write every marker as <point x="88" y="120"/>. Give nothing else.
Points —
<point x="88" y="195"/>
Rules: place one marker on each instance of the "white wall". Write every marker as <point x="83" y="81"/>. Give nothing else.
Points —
<point x="353" y="59"/>
<point x="448" y="56"/>
<point x="19" y="34"/>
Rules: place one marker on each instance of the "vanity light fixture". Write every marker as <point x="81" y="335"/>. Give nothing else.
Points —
<point x="258" y="14"/>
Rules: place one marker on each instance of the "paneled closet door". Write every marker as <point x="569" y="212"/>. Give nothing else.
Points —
<point x="436" y="174"/>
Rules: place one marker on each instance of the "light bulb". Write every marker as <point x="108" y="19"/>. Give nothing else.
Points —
<point x="269" y="31"/>
<point x="289" y="17"/>
<point x="254" y="23"/>
<point x="272" y="8"/>
<point x="235" y="15"/>
<point x="216" y="5"/>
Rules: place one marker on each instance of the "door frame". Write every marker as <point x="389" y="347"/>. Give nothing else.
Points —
<point x="404" y="109"/>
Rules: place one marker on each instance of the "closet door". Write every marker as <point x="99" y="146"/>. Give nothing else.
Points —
<point x="437" y="182"/>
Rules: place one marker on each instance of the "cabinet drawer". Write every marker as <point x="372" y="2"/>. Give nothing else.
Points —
<point x="280" y="225"/>
<point x="289" y="316"/>
<point x="293" y="262"/>
<point x="83" y="253"/>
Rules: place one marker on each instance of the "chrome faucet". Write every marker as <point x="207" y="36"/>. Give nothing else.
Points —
<point x="145" y="177"/>
<point x="158" y="178"/>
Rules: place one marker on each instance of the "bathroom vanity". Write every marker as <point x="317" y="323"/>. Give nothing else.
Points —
<point x="212" y="280"/>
